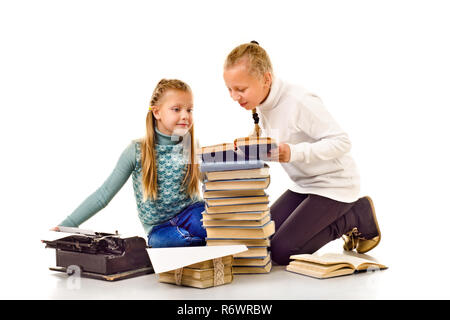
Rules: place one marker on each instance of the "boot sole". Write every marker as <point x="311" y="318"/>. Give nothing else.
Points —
<point x="376" y="223"/>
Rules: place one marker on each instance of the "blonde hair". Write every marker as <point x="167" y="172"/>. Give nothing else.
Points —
<point x="148" y="159"/>
<point x="258" y="59"/>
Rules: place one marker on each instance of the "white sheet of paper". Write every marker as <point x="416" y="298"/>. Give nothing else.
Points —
<point x="167" y="259"/>
<point x="76" y="230"/>
<point x="52" y="235"/>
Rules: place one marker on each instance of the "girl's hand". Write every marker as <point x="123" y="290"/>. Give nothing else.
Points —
<point x="281" y="154"/>
<point x="54" y="229"/>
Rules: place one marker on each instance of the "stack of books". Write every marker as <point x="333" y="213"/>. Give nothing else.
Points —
<point x="198" y="267"/>
<point x="206" y="274"/>
<point x="237" y="206"/>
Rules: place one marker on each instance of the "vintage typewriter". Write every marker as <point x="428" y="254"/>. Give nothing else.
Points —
<point x="98" y="255"/>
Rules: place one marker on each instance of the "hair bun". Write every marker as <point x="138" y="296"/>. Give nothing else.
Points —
<point x="255" y="42"/>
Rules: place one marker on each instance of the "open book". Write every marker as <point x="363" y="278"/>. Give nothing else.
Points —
<point x="330" y="265"/>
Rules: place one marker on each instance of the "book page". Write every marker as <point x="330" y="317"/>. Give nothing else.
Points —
<point x="320" y="268"/>
<point x="319" y="274"/>
<point x="356" y="261"/>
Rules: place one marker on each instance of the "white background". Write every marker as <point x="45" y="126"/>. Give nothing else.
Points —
<point x="76" y="78"/>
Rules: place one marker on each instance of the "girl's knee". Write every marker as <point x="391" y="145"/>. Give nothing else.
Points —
<point x="279" y="253"/>
<point x="174" y="236"/>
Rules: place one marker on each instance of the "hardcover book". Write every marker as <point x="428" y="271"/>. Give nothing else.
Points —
<point x="253" y="252"/>
<point x="256" y="215"/>
<point x="230" y="166"/>
<point x="237" y="184"/>
<point x="242" y="232"/>
<point x="251" y="262"/>
<point x="238" y="174"/>
<point x="211" y="202"/>
<point x="212" y="194"/>
<point x="242" y="149"/>
<point x="199" y="267"/>
<point x="201" y="277"/>
<point x="224" y="152"/>
<point x="255" y="147"/>
<point x="256" y="260"/>
<point x="251" y="207"/>
<point x="235" y="223"/>
<point x="246" y="242"/>
<point x="252" y="269"/>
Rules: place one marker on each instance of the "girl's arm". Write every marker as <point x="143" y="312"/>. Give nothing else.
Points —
<point x="100" y="198"/>
<point x="331" y="141"/>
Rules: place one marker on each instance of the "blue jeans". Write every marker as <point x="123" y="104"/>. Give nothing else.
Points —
<point x="183" y="230"/>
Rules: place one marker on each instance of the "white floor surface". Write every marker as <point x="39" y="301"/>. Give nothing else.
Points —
<point x="33" y="280"/>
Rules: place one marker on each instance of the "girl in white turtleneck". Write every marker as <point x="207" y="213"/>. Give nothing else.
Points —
<point x="322" y="204"/>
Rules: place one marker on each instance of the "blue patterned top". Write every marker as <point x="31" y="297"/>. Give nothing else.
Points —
<point x="172" y="194"/>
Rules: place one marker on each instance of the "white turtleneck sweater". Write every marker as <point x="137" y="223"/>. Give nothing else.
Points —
<point x="320" y="150"/>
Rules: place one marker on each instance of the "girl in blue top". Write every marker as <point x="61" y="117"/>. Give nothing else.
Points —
<point x="165" y="175"/>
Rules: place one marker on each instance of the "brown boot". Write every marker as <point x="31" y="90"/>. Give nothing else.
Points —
<point x="366" y="244"/>
<point x="354" y="239"/>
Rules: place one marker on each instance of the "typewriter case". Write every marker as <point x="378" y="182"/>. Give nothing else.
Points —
<point x="102" y="256"/>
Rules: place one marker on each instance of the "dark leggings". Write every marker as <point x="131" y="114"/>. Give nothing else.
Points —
<point x="306" y="222"/>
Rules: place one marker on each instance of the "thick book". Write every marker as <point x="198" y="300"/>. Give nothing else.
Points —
<point x="230" y="166"/>
<point x="246" y="242"/>
<point x="223" y="152"/>
<point x="196" y="283"/>
<point x="197" y="273"/>
<point x="252" y="269"/>
<point x="251" y="207"/>
<point x="237" y="184"/>
<point x="255" y="147"/>
<point x="256" y="215"/>
<point x="253" y="252"/>
<point x="201" y="275"/>
<point x="212" y="202"/>
<point x="242" y="232"/>
<point x="251" y="262"/>
<point x="242" y="149"/>
<point x="330" y="265"/>
<point x="238" y="174"/>
<point x="213" y="194"/>
<point x="235" y="223"/>
<point x="199" y="267"/>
